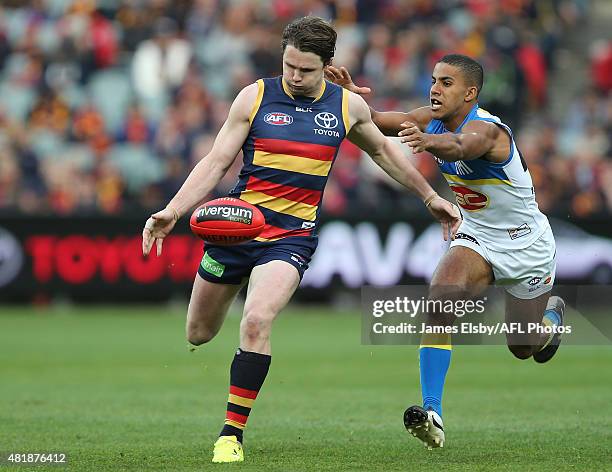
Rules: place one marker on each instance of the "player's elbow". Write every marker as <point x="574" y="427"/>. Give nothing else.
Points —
<point x="459" y="155"/>
<point x="468" y="146"/>
<point x="218" y="163"/>
<point x="381" y="152"/>
<point x="379" y="122"/>
<point x="457" y="151"/>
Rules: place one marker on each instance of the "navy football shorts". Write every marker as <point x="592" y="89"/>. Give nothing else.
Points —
<point x="231" y="264"/>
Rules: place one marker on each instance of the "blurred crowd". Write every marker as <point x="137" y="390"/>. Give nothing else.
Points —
<point x="106" y="105"/>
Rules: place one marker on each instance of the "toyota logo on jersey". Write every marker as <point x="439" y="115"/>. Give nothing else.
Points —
<point x="326" y="120"/>
<point x="469" y="199"/>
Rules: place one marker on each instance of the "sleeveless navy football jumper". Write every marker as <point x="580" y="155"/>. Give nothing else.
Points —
<point x="287" y="156"/>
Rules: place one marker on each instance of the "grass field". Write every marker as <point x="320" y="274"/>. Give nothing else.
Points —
<point x="118" y="389"/>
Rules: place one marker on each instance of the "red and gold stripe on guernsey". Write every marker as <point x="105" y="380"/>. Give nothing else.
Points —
<point x="294" y="156"/>
<point x="274" y="233"/>
<point x="295" y="201"/>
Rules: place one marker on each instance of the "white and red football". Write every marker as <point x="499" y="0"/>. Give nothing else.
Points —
<point x="227" y="221"/>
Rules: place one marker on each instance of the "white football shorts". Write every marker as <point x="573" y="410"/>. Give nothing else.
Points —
<point x="524" y="273"/>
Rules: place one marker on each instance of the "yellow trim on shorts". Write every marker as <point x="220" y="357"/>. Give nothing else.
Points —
<point x="257" y="104"/>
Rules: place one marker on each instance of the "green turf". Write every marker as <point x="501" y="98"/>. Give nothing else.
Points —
<point x="117" y="389"/>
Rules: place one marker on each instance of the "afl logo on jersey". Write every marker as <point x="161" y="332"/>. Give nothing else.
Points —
<point x="326" y="120"/>
<point x="469" y="199"/>
<point x="278" y="119"/>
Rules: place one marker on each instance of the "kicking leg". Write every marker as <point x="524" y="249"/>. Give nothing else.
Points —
<point x="270" y="289"/>
<point x="462" y="273"/>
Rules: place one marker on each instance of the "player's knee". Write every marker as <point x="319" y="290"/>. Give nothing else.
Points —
<point x="198" y="334"/>
<point x="521" y="352"/>
<point x="443" y="292"/>
<point x="256" y="324"/>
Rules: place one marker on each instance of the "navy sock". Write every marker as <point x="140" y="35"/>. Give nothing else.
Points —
<point x="247" y="375"/>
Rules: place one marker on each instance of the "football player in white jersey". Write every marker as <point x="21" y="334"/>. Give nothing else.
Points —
<point x="504" y="238"/>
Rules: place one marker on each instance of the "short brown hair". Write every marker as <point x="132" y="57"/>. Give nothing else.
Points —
<point x="311" y="34"/>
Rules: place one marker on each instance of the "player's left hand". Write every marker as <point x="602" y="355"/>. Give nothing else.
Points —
<point x="414" y="137"/>
<point x="447" y="214"/>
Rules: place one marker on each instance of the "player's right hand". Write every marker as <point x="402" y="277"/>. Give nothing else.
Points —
<point x="157" y="227"/>
<point x="340" y="76"/>
<point x="447" y="214"/>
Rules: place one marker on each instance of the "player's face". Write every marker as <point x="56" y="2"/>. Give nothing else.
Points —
<point x="302" y="71"/>
<point x="448" y="92"/>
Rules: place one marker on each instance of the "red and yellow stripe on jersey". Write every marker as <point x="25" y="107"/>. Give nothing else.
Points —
<point x="288" y="155"/>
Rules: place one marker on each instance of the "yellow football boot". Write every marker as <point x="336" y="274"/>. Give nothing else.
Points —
<point x="228" y="449"/>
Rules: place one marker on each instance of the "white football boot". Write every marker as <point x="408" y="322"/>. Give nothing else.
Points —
<point x="426" y="425"/>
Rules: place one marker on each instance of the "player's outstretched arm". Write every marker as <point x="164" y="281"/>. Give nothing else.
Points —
<point x="206" y="174"/>
<point x="477" y="139"/>
<point x="388" y="122"/>
<point x="387" y="155"/>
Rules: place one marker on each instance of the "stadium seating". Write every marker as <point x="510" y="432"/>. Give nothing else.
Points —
<point x="60" y="57"/>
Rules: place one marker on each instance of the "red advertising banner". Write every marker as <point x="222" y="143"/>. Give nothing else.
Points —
<point x="100" y="259"/>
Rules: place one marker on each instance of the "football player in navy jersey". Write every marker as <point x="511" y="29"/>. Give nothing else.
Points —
<point x="289" y="129"/>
